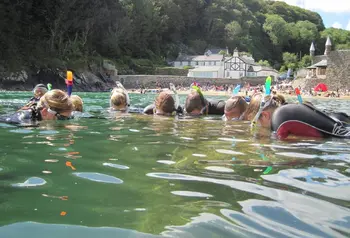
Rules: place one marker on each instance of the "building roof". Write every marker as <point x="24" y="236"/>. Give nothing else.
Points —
<point x="266" y="68"/>
<point x="206" y="69"/>
<point x="215" y="51"/>
<point x="322" y="63"/>
<point x="312" y="47"/>
<point x="200" y="57"/>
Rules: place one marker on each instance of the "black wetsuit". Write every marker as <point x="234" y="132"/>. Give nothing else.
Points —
<point x="305" y="120"/>
<point x="150" y="109"/>
<point x="23" y="117"/>
<point x="216" y="107"/>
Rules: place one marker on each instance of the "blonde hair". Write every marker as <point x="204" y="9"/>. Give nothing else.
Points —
<point x="118" y="98"/>
<point x="57" y="100"/>
<point x="236" y="101"/>
<point x="254" y="106"/>
<point x="165" y="102"/>
<point x="77" y="103"/>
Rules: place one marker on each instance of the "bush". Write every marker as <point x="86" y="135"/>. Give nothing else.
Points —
<point x="188" y="67"/>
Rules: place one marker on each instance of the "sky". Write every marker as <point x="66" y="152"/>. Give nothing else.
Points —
<point x="335" y="13"/>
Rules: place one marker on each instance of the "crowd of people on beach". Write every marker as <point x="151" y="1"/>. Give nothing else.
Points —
<point x="270" y="111"/>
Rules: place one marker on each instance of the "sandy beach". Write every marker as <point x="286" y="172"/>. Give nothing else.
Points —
<point x="225" y="93"/>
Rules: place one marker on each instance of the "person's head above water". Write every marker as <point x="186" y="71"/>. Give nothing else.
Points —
<point x="164" y="104"/>
<point x="253" y="107"/>
<point x="55" y="105"/>
<point x="195" y="103"/>
<point x="39" y="90"/>
<point x="119" y="100"/>
<point x="271" y="104"/>
<point x="77" y="103"/>
<point x="235" y="107"/>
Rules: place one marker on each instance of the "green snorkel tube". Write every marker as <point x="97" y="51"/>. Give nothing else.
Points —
<point x="49" y="86"/>
<point x="262" y="104"/>
<point x="198" y="90"/>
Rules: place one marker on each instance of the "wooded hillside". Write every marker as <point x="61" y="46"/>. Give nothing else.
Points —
<point x="71" y="33"/>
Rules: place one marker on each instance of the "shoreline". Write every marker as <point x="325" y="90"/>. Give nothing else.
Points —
<point x="225" y="93"/>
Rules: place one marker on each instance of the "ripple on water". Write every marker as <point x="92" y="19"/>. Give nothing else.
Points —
<point x="199" y="155"/>
<point x="325" y="182"/>
<point x="31" y="182"/>
<point x="186" y="138"/>
<point x="48" y="132"/>
<point x="169" y="162"/>
<point x="219" y="169"/>
<point x="4" y="125"/>
<point x="97" y="177"/>
<point x="297" y="155"/>
<point x="117" y="166"/>
<point x="191" y="194"/>
<point x="21" y="131"/>
<point x="232" y="139"/>
<point x="229" y="152"/>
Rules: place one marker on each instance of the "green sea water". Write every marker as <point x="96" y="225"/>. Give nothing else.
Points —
<point x="133" y="175"/>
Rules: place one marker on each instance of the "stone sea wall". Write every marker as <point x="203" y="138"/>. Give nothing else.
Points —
<point x="338" y="70"/>
<point x="151" y="81"/>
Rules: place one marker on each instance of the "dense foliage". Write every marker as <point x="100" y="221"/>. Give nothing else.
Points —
<point x="70" y="33"/>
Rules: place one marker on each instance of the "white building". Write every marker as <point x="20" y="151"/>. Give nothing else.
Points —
<point x="216" y="65"/>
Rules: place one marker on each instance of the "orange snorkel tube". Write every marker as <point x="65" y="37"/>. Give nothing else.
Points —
<point x="69" y="82"/>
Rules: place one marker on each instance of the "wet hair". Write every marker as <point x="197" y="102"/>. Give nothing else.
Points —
<point x="253" y="107"/>
<point x="165" y="102"/>
<point x="77" y="103"/>
<point x="194" y="101"/>
<point x="41" y="88"/>
<point x="57" y="100"/>
<point x="118" y="98"/>
<point x="271" y="102"/>
<point x="236" y="101"/>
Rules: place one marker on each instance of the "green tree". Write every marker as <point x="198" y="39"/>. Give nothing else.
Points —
<point x="277" y="28"/>
<point x="290" y="60"/>
<point x="305" y="61"/>
<point x="264" y="63"/>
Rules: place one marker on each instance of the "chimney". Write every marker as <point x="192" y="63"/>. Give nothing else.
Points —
<point x="235" y="53"/>
<point x="328" y="46"/>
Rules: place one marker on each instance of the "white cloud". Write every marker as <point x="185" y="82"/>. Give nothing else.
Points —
<point x="337" y="25"/>
<point x="322" y="5"/>
<point x="348" y="26"/>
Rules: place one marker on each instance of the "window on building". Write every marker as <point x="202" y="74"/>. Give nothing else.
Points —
<point x="196" y="62"/>
<point x="322" y="71"/>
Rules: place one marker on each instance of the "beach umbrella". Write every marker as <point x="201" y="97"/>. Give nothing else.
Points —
<point x="321" y="87"/>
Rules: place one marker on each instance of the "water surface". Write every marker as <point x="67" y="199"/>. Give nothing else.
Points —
<point x="145" y="176"/>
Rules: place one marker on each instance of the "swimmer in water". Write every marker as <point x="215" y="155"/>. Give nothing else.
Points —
<point x="119" y="100"/>
<point x="54" y="105"/>
<point x="234" y="108"/>
<point x="197" y="105"/>
<point x="165" y="104"/>
<point x="39" y="91"/>
<point x="255" y="102"/>
<point x="77" y="103"/>
<point x="272" y="103"/>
